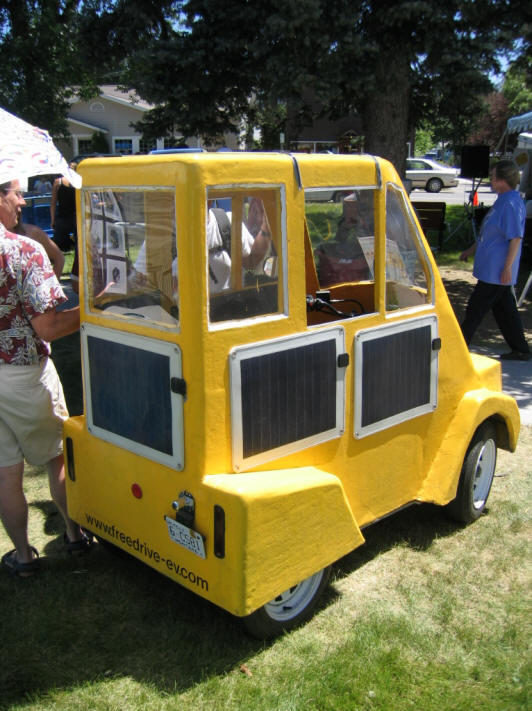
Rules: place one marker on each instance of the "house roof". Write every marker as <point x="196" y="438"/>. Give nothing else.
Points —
<point x="91" y="126"/>
<point x="129" y="98"/>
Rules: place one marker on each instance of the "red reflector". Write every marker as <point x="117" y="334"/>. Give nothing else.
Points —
<point x="136" y="491"/>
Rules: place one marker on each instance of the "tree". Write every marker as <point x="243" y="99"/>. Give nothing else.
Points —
<point x="51" y="50"/>
<point x="396" y="65"/>
<point x="40" y="60"/>
<point x="492" y="123"/>
<point x="517" y="88"/>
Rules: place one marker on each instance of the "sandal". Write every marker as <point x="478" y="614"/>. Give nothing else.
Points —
<point x="22" y="570"/>
<point x="79" y="547"/>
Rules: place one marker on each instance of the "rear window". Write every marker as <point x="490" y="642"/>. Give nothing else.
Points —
<point x="130" y="248"/>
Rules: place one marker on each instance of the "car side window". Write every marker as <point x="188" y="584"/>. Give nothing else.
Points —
<point x="408" y="281"/>
<point x="244" y="253"/>
<point x="341" y="236"/>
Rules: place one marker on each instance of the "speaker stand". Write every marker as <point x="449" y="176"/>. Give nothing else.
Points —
<point x="470" y="214"/>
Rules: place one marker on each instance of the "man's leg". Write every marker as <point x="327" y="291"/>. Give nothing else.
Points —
<point x="14" y="510"/>
<point x="509" y="322"/>
<point x="480" y="302"/>
<point x="56" y="478"/>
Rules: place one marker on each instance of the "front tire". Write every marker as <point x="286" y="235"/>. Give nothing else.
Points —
<point x="289" y="609"/>
<point x="476" y="477"/>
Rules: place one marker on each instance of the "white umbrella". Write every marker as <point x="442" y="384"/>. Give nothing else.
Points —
<point x="26" y="150"/>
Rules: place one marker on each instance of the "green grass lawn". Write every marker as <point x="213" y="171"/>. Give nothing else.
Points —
<point x="427" y="615"/>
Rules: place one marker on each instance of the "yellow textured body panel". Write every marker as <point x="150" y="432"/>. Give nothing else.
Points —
<point x="269" y="515"/>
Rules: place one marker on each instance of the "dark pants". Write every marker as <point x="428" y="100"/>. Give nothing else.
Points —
<point x="501" y="300"/>
<point x="65" y="232"/>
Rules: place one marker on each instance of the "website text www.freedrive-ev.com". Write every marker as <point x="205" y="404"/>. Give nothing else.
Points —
<point x="144" y="549"/>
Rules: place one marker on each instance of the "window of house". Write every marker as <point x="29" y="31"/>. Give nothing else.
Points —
<point x="97" y="107"/>
<point x="131" y="255"/>
<point x="408" y="275"/>
<point x="84" y="145"/>
<point x="145" y="146"/>
<point x="244" y="242"/>
<point x="123" y="146"/>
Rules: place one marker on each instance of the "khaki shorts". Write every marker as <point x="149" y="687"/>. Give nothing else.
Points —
<point x="32" y="412"/>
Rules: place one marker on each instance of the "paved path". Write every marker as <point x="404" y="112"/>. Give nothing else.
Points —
<point x="516" y="381"/>
<point x="456" y="196"/>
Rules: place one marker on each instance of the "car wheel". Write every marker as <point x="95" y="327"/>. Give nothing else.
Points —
<point x="289" y="609"/>
<point x="434" y="185"/>
<point x="476" y="477"/>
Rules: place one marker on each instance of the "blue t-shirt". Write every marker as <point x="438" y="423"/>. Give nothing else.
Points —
<point x="505" y="221"/>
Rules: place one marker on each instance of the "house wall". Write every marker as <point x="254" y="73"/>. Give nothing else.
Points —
<point x="114" y="119"/>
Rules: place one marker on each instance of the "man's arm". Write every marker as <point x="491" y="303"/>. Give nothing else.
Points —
<point x="55" y="255"/>
<point x="513" y="248"/>
<point x="53" y="324"/>
<point x="468" y="252"/>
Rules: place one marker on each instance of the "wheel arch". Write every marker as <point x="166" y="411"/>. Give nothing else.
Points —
<point x="477" y="406"/>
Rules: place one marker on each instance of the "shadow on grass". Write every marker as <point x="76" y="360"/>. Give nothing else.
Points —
<point x="103" y="616"/>
<point x="417" y="527"/>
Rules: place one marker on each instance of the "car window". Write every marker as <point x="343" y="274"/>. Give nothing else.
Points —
<point x="407" y="270"/>
<point x="341" y="238"/>
<point x="244" y="247"/>
<point x="417" y="165"/>
<point x="130" y="248"/>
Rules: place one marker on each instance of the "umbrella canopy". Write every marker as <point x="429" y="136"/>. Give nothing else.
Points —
<point x="26" y="150"/>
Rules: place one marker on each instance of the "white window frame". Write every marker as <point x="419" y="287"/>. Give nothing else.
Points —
<point x="173" y="352"/>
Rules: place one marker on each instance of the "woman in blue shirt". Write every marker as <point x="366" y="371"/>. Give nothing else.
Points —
<point x="497" y="254"/>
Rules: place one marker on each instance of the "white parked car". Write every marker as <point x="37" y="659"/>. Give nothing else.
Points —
<point x="429" y="175"/>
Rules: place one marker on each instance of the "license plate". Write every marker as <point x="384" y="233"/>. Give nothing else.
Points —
<point x="186" y="537"/>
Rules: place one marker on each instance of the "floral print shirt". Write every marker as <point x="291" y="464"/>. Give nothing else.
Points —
<point x="28" y="287"/>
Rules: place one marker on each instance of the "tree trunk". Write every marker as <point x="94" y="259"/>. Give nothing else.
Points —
<point x="385" y="112"/>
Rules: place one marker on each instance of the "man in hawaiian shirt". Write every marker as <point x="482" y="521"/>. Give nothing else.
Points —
<point x="32" y="404"/>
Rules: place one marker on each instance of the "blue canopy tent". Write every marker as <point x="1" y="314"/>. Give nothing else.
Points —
<point x="519" y="124"/>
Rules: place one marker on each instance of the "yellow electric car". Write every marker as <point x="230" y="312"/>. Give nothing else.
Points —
<point x="267" y="372"/>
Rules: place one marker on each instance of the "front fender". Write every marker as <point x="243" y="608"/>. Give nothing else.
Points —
<point x="439" y="487"/>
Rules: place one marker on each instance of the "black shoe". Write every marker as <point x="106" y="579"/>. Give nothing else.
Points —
<point x="78" y="547"/>
<point x="11" y="563"/>
<point x="516" y="355"/>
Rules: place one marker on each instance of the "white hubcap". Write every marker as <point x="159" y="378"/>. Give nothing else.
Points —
<point x="484" y="471"/>
<point x="291" y="602"/>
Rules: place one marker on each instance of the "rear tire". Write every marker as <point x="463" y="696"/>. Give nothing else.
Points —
<point x="434" y="185"/>
<point x="476" y="477"/>
<point x="289" y="609"/>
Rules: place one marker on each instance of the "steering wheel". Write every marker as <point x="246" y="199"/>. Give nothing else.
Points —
<point x="315" y="303"/>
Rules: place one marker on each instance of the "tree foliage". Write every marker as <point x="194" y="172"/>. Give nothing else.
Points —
<point x="517" y="87"/>
<point x="40" y="60"/>
<point x="397" y="65"/>
<point x="52" y="50"/>
<point x="492" y="123"/>
<point x="210" y="67"/>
